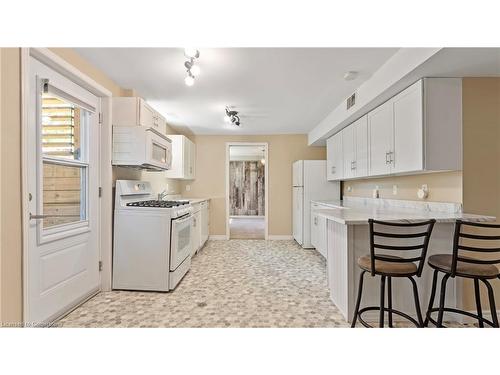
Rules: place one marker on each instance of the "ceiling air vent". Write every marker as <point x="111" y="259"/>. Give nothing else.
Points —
<point x="351" y="100"/>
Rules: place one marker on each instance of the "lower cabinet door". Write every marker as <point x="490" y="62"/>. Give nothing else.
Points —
<point x="204" y="223"/>
<point x="322" y="236"/>
<point x="196" y="236"/>
<point x="314" y="230"/>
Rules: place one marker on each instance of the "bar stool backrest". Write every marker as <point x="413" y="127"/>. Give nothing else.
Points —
<point x="418" y="233"/>
<point x="483" y="235"/>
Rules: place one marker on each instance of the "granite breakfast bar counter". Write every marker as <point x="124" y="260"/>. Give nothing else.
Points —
<point x="348" y="239"/>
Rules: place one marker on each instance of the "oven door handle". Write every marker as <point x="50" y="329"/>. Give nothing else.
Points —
<point x="182" y="219"/>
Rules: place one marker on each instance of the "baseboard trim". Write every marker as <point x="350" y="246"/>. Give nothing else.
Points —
<point x="279" y="237"/>
<point x="218" y="237"/>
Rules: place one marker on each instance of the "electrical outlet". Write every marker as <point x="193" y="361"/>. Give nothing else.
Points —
<point x="349" y="188"/>
<point x="188" y="187"/>
<point x="394" y="189"/>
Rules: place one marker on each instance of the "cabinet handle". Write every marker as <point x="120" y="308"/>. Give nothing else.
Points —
<point x="315" y="221"/>
<point x="194" y="221"/>
<point x="387" y="158"/>
<point x="391" y="159"/>
<point x="333" y="170"/>
<point x="353" y="165"/>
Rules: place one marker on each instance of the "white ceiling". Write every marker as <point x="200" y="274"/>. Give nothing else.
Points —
<point x="276" y="90"/>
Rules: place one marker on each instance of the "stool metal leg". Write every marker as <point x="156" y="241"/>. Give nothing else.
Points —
<point x="389" y="298"/>
<point x="417" y="302"/>
<point x="441" y="300"/>
<point x="382" y="300"/>
<point x="358" y="301"/>
<point x="493" y="308"/>
<point x="431" y="299"/>
<point x="478" y="303"/>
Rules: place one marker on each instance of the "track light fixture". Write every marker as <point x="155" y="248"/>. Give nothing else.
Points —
<point x="192" y="69"/>
<point x="232" y="116"/>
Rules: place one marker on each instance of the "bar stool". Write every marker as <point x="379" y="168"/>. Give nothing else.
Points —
<point x="389" y="266"/>
<point x="476" y="268"/>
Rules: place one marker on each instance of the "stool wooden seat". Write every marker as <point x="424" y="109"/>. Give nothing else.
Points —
<point x="388" y="266"/>
<point x="470" y="239"/>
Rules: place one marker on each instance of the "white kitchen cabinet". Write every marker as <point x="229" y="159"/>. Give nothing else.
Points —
<point x="334" y="158"/>
<point x="196" y="232"/>
<point x="408" y="130"/>
<point x="183" y="158"/>
<point x="135" y="111"/>
<point x="349" y="151"/>
<point x="200" y="228"/>
<point x="205" y="221"/>
<point x="318" y="230"/>
<point x="381" y="139"/>
<point x="417" y="131"/>
<point x="355" y="148"/>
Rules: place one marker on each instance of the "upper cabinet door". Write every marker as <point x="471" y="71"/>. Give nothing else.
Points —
<point x="381" y="141"/>
<point x="147" y="115"/>
<point x="349" y="151"/>
<point x="408" y="130"/>
<point x="192" y="159"/>
<point x="335" y="158"/>
<point x="361" y="144"/>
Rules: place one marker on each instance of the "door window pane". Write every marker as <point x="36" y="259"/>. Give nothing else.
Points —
<point x="62" y="124"/>
<point x="63" y="194"/>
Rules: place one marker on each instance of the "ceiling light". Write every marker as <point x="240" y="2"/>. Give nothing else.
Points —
<point x="191" y="69"/>
<point x="233" y="116"/>
<point x="350" y="75"/>
<point x="195" y="70"/>
<point x="189" y="80"/>
<point x="191" y="53"/>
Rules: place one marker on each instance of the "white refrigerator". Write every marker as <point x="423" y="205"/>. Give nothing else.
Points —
<point x="309" y="184"/>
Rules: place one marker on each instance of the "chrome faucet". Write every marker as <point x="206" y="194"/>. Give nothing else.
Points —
<point x="162" y="195"/>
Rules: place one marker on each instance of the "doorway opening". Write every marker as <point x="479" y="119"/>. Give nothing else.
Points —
<point x="246" y="190"/>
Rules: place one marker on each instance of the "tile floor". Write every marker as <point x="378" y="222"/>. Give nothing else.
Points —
<point x="237" y="283"/>
<point x="247" y="228"/>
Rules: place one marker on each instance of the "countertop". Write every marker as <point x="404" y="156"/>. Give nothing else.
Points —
<point x="351" y="214"/>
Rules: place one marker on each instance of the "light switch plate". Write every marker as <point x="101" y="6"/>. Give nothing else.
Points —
<point x="394" y="189"/>
<point x="188" y="187"/>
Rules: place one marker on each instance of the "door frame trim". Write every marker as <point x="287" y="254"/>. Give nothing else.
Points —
<point x="266" y="183"/>
<point x="61" y="66"/>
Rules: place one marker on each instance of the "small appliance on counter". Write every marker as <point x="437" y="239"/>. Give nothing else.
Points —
<point x="152" y="239"/>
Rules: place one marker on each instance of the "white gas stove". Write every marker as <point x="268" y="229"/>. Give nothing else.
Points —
<point x="152" y="239"/>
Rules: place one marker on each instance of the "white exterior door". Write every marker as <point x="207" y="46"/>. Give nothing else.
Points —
<point x="298" y="217"/>
<point x="381" y="131"/>
<point x="62" y="265"/>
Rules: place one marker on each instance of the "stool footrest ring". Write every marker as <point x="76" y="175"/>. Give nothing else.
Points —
<point x="377" y="308"/>
<point x="456" y="311"/>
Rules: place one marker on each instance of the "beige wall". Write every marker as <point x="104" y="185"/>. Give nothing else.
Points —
<point x="481" y="174"/>
<point x="10" y="198"/>
<point x="210" y="176"/>
<point x="443" y="186"/>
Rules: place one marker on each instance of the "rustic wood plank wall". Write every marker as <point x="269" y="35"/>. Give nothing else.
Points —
<point x="246" y="194"/>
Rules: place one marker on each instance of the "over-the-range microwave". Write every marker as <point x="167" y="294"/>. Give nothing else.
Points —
<point x="141" y="147"/>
